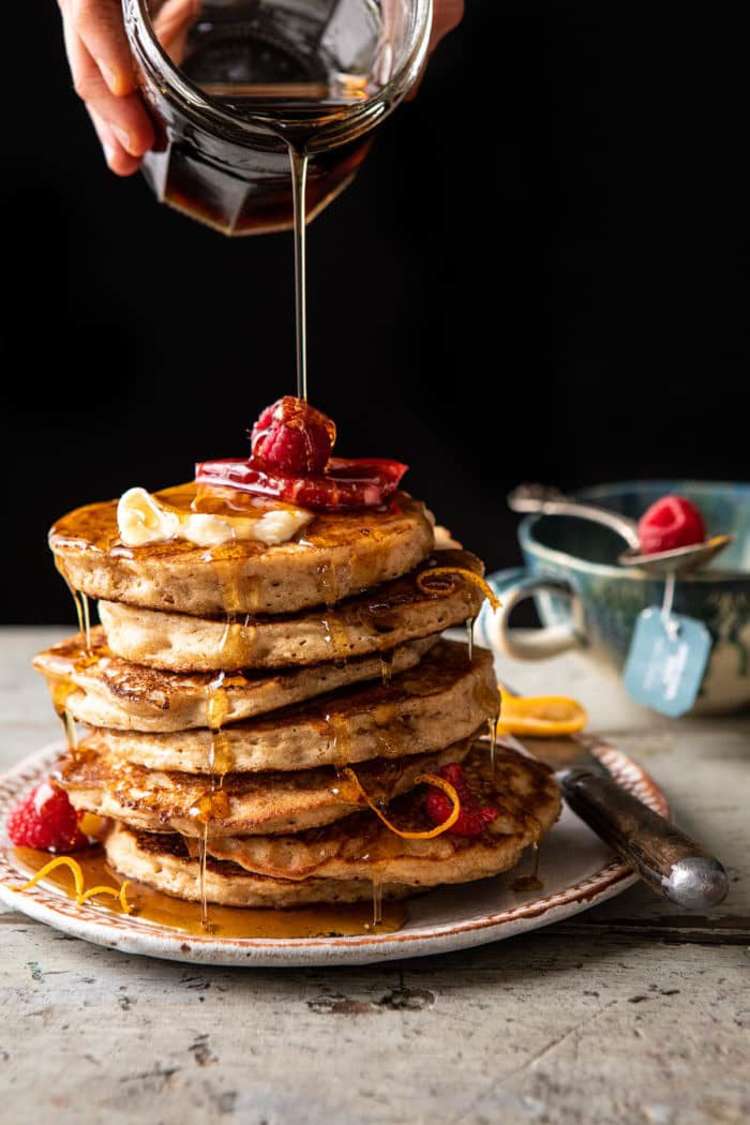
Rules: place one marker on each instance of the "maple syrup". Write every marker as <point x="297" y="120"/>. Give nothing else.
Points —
<point x="81" y="602"/>
<point x="469" y="623"/>
<point x="226" y="921"/>
<point x="530" y="882"/>
<point x="386" y="667"/>
<point x="264" y="109"/>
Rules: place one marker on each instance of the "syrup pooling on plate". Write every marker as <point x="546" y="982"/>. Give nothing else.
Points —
<point x="151" y="906"/>
<point x="530" y="882"/>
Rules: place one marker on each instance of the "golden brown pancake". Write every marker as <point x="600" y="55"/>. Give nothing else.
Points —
<point x="103" y="690"/>
<point x="444" y="699"/>
<point x="237" y="804"/>
<point x="376" y="621"/>
<point x="333" y="557"/>
<point x="523" y="790"/>
<point x="341" y="862"/>
<point x="164" y="863"/>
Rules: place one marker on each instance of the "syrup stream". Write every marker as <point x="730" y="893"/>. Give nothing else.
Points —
<point x="470" y="637"/>
<point x="377" y="899"/>
<point x="492" y="724"/>
<point x="299" y="162"/>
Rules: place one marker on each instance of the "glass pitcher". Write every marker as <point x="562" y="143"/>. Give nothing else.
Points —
<point x="234" y="83"/>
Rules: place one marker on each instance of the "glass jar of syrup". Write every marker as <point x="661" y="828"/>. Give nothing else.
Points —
<point x="236" y="85"/>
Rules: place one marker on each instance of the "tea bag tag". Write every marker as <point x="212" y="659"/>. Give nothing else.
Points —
<point x="667" y="658"/>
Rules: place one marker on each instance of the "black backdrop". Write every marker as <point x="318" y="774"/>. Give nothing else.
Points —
<point x="540" y="273"/>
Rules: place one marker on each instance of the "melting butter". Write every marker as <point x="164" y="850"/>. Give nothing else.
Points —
<point x="142" y="519"/>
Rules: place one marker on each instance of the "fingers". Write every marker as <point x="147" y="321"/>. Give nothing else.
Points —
<point x="118" y="160"/>
<point x="99" y="26"/>
<point x="448" y="14"/>
<point x="121" y="121"/>
<point x="172" y="24"/>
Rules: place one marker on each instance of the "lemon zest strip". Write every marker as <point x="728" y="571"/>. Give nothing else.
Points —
<point x="430" y="779"/>
<point x="456" y="572"/>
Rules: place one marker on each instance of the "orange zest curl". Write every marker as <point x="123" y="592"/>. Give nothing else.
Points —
<point x="445" y="589"/>
<point x="115" y="892"/>
<point x="429" y="779"/>
<point x="76" y="871"/>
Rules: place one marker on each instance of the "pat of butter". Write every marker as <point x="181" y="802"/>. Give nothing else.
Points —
<point x="141" y="519"/>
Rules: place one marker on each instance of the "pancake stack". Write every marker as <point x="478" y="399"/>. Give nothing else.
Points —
<point x="263" y="724"/>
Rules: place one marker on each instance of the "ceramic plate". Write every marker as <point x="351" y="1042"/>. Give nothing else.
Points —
<point x="578" y="871"/>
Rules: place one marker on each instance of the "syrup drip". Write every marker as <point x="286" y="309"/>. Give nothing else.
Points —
<point x="213" y="805"/>
<point x="86" y="613"/>
<point x="470" y="637"/>
<point x="492" y="725"/>
<point x="530" y="882"/>
<point x="81" y="602"/>
<point x="226" y="633"/>
<point x="220" y="758"/>
<point x="61" y="690"/>
<point x="202" y="861"/>
<point x="339" y="740"/>
<point x="334" y="633"/>
<point x="377" y="899"/>
<point x="226" y="921"/>
<point x="386" y="667"/>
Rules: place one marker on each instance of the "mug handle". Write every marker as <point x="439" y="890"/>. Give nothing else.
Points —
<point x="514" y="586"/>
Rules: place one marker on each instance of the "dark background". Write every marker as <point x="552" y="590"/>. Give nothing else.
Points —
<point x="540" y="273"/>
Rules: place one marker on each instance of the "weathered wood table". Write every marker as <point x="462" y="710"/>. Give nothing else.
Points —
<point x="631" y="1012"/>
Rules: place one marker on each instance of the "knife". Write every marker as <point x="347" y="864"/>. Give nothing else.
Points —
<point x="673" y="864"/>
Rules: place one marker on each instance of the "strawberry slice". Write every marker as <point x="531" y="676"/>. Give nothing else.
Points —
<point x="347" y="483"/>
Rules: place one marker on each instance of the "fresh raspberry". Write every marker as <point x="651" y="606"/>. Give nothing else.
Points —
<point x="473" y="818"/>
<point x="46" y="820"/>
<point x="292" y="437"/>
<point x="669" y="523"/>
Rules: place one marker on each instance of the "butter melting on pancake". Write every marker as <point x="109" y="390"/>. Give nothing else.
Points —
<point x="335" y="556"/>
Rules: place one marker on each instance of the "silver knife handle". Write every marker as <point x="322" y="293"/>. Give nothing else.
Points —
<point x="668" y="860"/>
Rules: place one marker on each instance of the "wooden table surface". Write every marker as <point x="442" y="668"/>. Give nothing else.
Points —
<point x="631" y="1012"/>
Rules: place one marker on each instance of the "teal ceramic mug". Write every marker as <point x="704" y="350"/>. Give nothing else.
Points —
<point x="586" y="601"/>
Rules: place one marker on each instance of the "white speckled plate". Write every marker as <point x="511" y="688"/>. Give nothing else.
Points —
<point x="578" y="871"/>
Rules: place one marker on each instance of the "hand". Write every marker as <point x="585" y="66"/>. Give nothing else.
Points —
<point x="103" y="76"/>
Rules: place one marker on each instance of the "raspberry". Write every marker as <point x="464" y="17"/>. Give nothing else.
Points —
<point x="669" y="523"/>
<point x="473" y="818"/>
<point x="292" y="437"/>
<point x="46" y="820"/>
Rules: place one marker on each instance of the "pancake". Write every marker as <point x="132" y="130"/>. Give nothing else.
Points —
<point x="357" y="851"/>
<point x="163" y="862"/>
<point x="331" y="558"/>
<point x="523" y="790"/>
<point x="444" y="699"/>
<point x="160" y="801"/>
<point x="376" y="621"/>
<point x="104" y="691"/>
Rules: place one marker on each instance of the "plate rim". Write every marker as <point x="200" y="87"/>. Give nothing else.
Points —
<point x="91" y="923"/>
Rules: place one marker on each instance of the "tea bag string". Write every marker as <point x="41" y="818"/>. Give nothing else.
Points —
<point x="671" y="626"/>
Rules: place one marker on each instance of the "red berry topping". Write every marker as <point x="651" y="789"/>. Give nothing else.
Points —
<point x="670" y="523"/>
<point x="346" y="484"/>
<point x="473" y="818"/>
<point x="46" y="820"/>
<point x="292" y="437"/>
